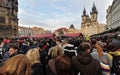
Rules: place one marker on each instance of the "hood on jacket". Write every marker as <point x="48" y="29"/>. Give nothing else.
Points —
<point x="84" y="58"/>
<point x="116" y="53"/>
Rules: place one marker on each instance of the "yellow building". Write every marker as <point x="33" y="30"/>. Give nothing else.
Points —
<point x="90" y="25"/>
<point x="8" y="18"/>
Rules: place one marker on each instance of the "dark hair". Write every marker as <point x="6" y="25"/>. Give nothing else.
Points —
<point x="40" y="45"/>
<point x="111" y="47"/>
<point x="63" y="65"/>
<point x="83" y="47"/>
<point x="14" y="47"/>
<point x="70" y="41"/>
<point x="93" y="41"/>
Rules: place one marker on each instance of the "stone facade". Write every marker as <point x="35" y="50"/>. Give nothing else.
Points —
<point x="90" y="25"/>
<point x="8" y="18"/>
<point x="61" y="31"/>
<point x="113" y="15"/>
<point x="28" y="31"/>
<point x="69" y="30"/>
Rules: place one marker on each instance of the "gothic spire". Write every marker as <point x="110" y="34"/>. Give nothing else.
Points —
<point x="84" y="12"/>
<point x="94" y="10"/>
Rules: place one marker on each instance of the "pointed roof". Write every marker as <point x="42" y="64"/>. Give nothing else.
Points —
<point x="94" y="10"/>
<point x="94" y="7"/>
<point x="84" y="12"/>
<point x="72" y="26"/>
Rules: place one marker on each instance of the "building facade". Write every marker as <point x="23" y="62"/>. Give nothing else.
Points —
<point x="113" y="15"/>
<point x="89" y="24"/>
<point x="8" y="18"/>
<point x="70" y="30"/>
<point x="61" y="31"/>
<point x="30" y="31"/>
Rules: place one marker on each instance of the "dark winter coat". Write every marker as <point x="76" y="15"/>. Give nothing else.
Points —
<point x="37" y="69"/>
<point x="50" y="67"/>
<point x="86" y="65"/>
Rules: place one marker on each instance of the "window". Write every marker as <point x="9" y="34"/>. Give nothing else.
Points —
<point x="2" y="20"/>
<point x="93" y="16"/>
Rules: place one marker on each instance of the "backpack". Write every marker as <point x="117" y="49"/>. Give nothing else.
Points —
<point x="116" y="65"/>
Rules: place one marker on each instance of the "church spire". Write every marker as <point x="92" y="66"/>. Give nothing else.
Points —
<point x="84" y="12"/>
<point x="94" y="10"/>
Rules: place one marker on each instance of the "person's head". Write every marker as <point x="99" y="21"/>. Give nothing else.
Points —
<point x="83" y="47"/>
<point x="111" y="47"/>
<point x="63" y="65"/>
<point x="56" y="51"/>
<point x="97" y="47"/>
<point x="33" y="55"/>
<point x="13" y="49"/>
<point x="17" y="65"/>
<point x="93" y="41"/>
<point x="40" y="46"/>
<point x="70" y="41"/>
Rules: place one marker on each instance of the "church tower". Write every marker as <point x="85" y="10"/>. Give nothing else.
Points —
<point x="84" y="16"/>
<point x="90" y="25"/>
<point x="94" y="13"/>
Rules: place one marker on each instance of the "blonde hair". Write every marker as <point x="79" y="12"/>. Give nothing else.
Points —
<point x="56" y="51"/>
<point x="17" y="65"/>
<point x="33" y="55"/>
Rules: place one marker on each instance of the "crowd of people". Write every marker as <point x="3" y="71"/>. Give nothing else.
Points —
<point x="60" y="56"/>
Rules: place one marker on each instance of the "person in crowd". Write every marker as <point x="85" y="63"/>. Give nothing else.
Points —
<point x="63" y="65"/>
<point x="24" y="47"/>
<point x="55" y="52"/>
<point x="59" y="42"/>
<point x="20" y="41"/>
<point x="116" y="42"/>
<point x="1" y="40"/>
<point x="13" y="50"/>
<point x="103" y="57"/>
<point x="84" y="63"/>
<point x="69" y="49"/>
<point x="6" y="44"/>
<point x="17" y="65"/>
<point x="34" y="56"/>
<point x="115" y="57"/>
<point x="111" y="49"/>
<point x="43" y="53"/>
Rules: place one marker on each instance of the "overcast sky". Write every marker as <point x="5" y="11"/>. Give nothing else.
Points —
<point x="53" y="14"/>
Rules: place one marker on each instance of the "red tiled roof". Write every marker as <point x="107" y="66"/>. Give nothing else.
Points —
<point x="44" y="35"/>
<point x="72" y="34"/>
<point x="65" y="29"/>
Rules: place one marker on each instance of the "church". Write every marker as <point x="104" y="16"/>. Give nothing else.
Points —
<point x="89" y="24"/>
<point x="8" y="18"/>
